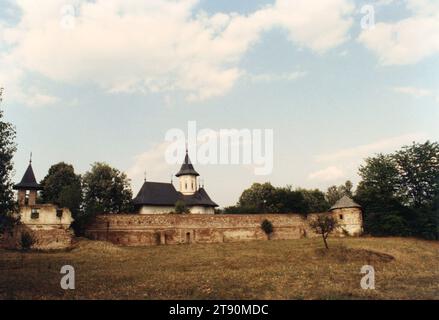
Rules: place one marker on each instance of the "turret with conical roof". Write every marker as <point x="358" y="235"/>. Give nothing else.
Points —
<point x="187" y="176"/>
<point x="345" y="202"/>
<point x="27" y="188"/>
<point x="349" y="215"/>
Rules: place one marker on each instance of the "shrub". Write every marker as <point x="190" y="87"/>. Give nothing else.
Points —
<point x="180" y="207"/>
<point x="26" y="241"/>
<point x="267" y="227"/>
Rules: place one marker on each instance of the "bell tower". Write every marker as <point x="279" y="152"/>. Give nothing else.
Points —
<point x="28" y="187"/>
<point x="187" y="177"/>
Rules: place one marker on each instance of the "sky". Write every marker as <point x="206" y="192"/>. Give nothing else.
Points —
<point x="105" y="80"/>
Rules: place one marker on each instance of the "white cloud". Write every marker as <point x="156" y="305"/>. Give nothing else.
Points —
<point x="409" y="40"/>
<point x="418" y="92"/>
<point x="359" y="152"/>
<point x="328" y="174"/>
<point x="159" y="46"/>
<point x="342" y="164"/>
<point x="270" y="77"/>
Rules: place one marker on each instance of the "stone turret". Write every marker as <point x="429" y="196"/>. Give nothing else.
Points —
<point x="348" y="213"/>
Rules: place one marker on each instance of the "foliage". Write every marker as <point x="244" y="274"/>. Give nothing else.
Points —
<point x="7" y="149"/>
<point x="180" y="207"/>
<point x="335" y="193"/>
<point x="267" y="227"/>
<point x="63" y="187"/>
<point x="105" y="190"/>
<point x="26" y="241"/>
<point x="265" y="198"/>
<point x="399" y="192"/>
<point x="314" y="200"/>
<point x="324" y="225"/>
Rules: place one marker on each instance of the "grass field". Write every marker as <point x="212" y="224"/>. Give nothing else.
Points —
<point x="290" y="269"/>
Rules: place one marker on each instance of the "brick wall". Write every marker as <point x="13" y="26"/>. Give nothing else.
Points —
<point x="140" y="230"/>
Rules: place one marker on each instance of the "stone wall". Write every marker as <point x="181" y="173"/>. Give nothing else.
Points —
<point x="48" y="225"/>
<point x="141" y="230"/>
<point x="45" y="239"/>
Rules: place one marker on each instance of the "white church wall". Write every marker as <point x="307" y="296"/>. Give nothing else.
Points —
<point x="156" y="209"/>
<point x="201" y="210"/>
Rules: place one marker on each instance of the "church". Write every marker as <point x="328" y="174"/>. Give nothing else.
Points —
<point x="160" y="198"/>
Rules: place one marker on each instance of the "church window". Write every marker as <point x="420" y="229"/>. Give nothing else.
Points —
<point x="34" y="214"/>
<point x="341" y="217"/>
<point x="59" y="213"/>
<point x="26" y="198"/>
<point x="185" y="185"/>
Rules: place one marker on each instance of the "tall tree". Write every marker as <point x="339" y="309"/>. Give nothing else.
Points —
<point x="106" y="190"/>
<point x="314" y="200"/>
<point x="63" y="187"/>
<point x="398" y="191"/>
<point x="7" y="149"/>
<point x="259" y="198"/>
<point x="335" y="193"/>
<point x="418" y="168"/>
<point x="264" y="198"/>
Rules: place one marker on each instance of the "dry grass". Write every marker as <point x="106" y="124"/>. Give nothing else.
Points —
<point x="294" y="269"/>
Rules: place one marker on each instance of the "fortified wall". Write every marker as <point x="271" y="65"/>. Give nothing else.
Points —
<point x="47" y="225"/>
<point x="142" y="230"/>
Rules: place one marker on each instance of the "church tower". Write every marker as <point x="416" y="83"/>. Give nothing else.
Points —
<point x="28" y="187"/>
<point x="187" y="177"/>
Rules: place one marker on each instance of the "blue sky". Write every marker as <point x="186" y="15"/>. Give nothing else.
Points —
<point x="109" y="86"/>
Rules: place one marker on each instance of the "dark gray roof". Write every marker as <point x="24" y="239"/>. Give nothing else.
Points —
<point x="157" y="193"/>
<point x="187" y="168"/>
<point x="345" y="202"/>
<point x="28" y="182"/>
<point x="164" y="194"/>
<point x="199" y="198"/>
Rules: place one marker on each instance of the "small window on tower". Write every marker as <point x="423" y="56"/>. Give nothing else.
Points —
<point x="59" y="213"/>
<point x="34" y="214"/>
<point x="341" y="217"/>
<point x="185" y="185"/>
<point x="26" y="198"/>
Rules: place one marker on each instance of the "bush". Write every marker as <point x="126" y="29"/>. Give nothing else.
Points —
<point x="26" y="241"/>
<point x="180" y="207"/>
<point x="267" y="227"/>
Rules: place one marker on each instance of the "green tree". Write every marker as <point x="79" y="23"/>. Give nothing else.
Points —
<point x="314" y="200"/>
<point x="289" y="200"/>
<point x="8" y="147"/>
<point x="398" y="191"/>
<point x="418" y="168"/>
<point x="335" y="193"/>
<point x="259" y="198"/>
<point x="105" y="190"/>
<point x="63" y="187"/>
<point x="264" y="198"/>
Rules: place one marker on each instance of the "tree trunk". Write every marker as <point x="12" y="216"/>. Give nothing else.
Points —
<point x="324" y="240"/>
